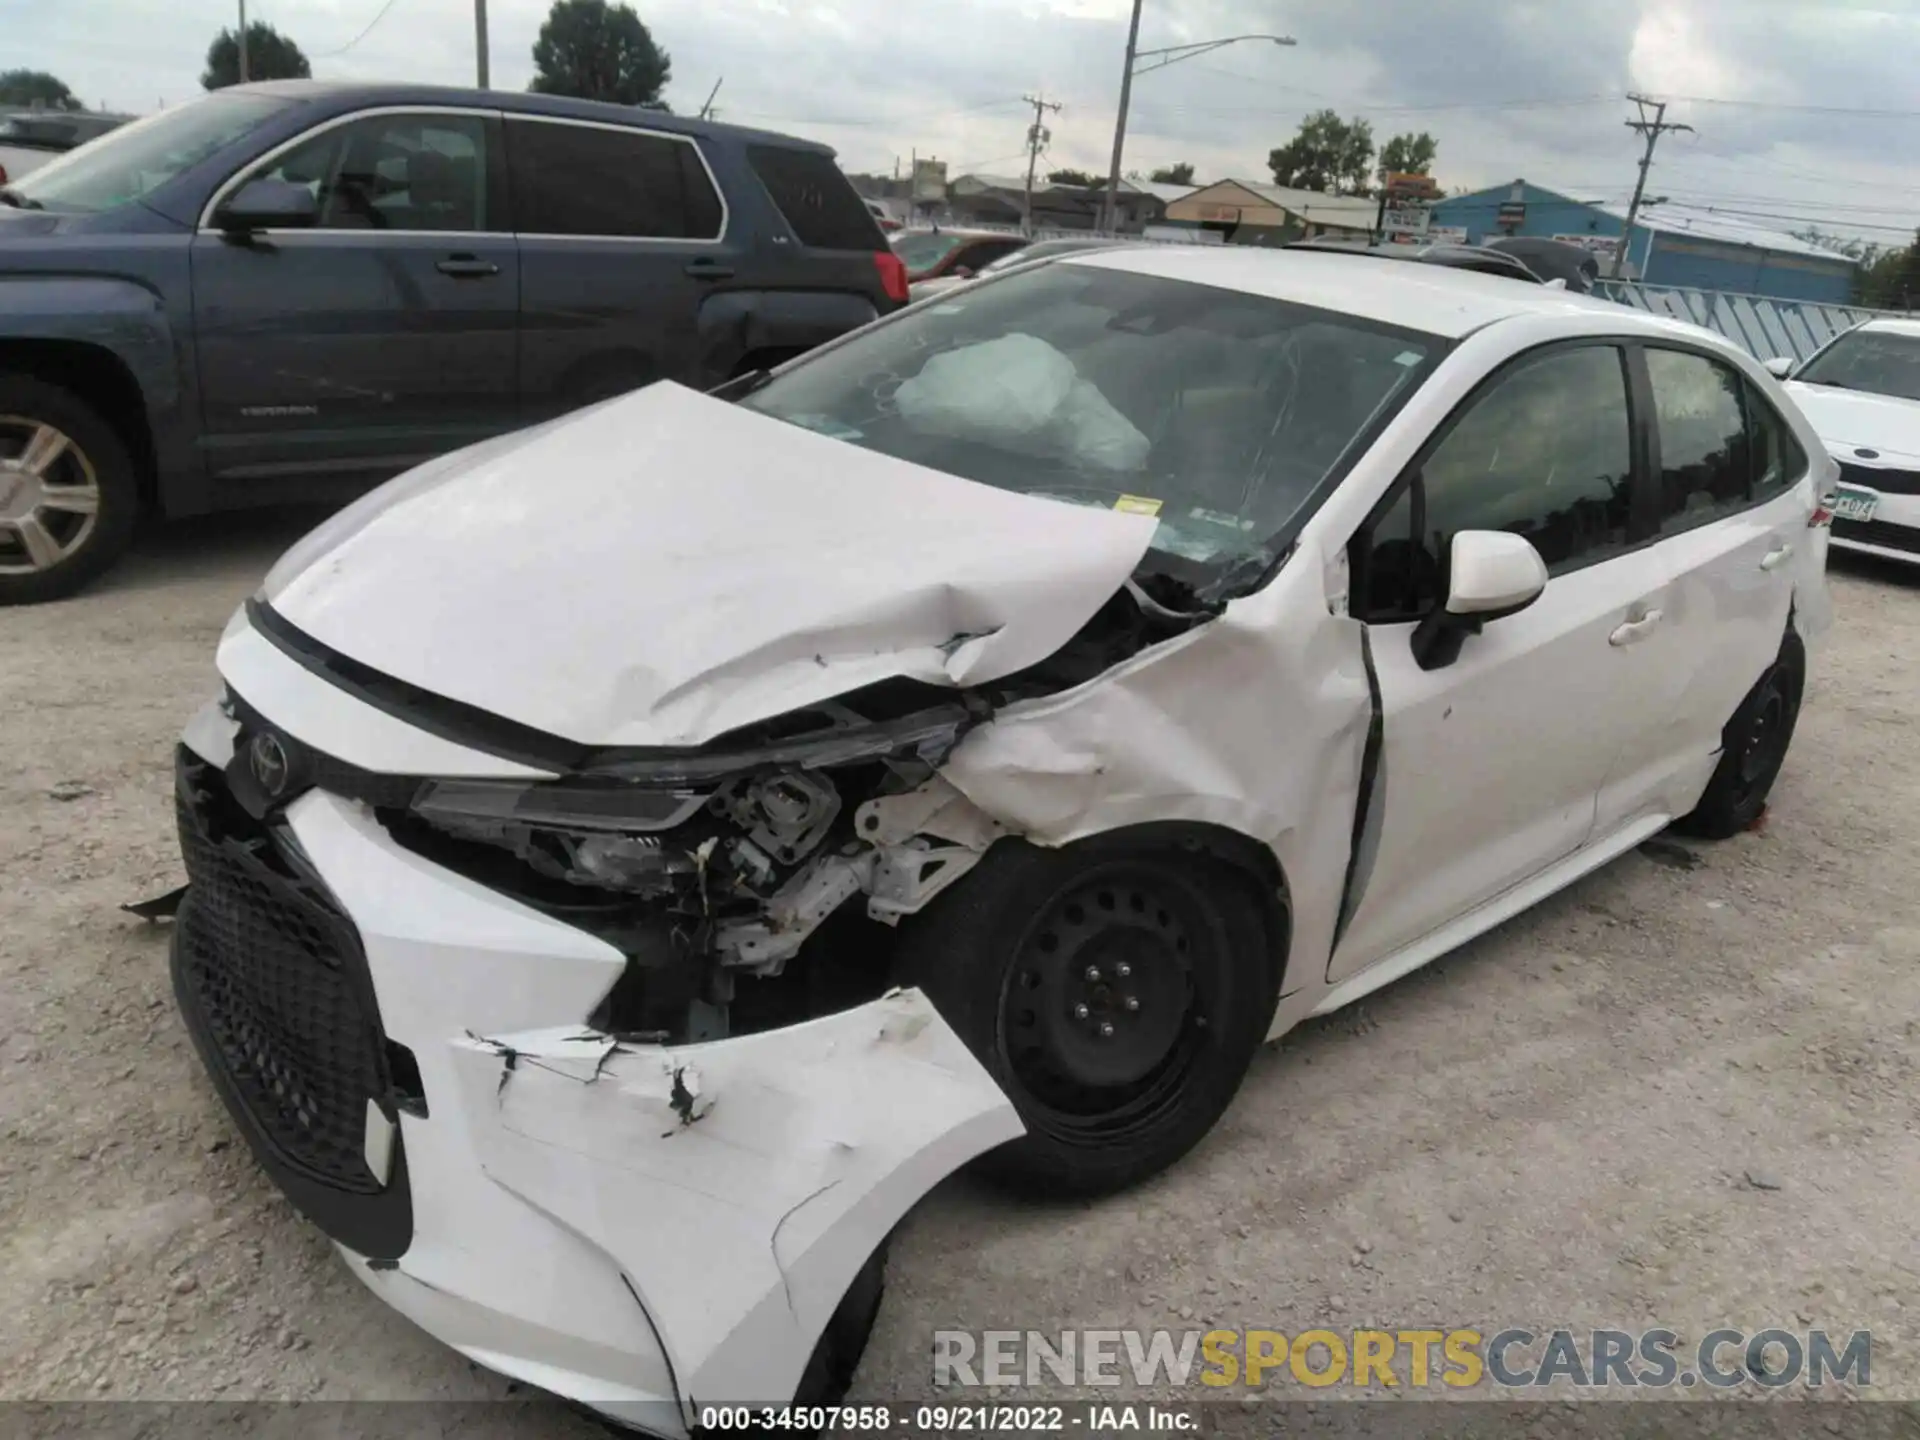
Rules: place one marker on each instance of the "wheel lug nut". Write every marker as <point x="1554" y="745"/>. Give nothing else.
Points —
<point x="1080" y="1012"/>
<point x="1106" y="1030"/>
<point x="1093" y="974"/>
<point x="1133" y="1002"/>
<point x="1123" y="970"/>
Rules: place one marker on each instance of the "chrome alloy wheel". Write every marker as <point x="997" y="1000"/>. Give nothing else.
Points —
<point x="49" y="496"/>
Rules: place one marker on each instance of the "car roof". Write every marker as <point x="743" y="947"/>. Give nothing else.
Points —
<point x="1889" y="325"/>
<point x="341" y="94"/>
<point x="1438" y="299"/>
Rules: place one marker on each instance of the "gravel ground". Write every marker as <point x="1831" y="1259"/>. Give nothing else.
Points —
<point x="1561" y="1123"/>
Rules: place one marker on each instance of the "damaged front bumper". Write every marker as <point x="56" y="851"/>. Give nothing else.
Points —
<point x="644" y="1228"/>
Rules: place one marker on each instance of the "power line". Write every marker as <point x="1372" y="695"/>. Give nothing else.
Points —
<point x="1804" y="109"/>
<point x="330" y="54"/>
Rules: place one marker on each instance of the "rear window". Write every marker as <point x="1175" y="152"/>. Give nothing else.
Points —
<point x="816" y="199"/>
<point x="595" y="180"/>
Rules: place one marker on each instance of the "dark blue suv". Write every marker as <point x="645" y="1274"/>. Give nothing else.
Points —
<point x="295" y="290"/>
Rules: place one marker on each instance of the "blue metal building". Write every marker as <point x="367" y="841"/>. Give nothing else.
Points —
<point x="1671" y="244"/>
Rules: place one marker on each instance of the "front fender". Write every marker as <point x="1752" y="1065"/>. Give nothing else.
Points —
<point x="122" y="317"/>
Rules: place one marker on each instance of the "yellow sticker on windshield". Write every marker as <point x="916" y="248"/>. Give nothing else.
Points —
<point x="1137" y="505"/>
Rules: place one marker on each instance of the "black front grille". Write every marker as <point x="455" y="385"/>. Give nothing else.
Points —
<point x="1887" y="482"/>
<point x="272" y="980"/>
<point x="1883" y="533"/>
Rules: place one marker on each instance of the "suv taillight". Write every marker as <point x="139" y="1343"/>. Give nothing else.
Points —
<point x="893" y="275"/>
<point x="3" y="174"/>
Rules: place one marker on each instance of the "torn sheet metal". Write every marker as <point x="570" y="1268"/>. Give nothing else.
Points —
<point x="706" y="598"/>
<point x="1161" y="738"/>
<point x="740" y="1184"/>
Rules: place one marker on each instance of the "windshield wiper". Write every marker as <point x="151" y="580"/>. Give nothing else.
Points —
<point x="11" y="196"/>
<point x="741" y="386"/>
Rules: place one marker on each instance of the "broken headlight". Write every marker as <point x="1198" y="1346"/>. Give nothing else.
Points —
<point x="699" y="829"/>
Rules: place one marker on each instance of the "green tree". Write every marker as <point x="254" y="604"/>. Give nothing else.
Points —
<point x="1180" y="174"/>
<point x="28" y="88"/>
<point x="1408" y="155"/>
<point x="1071" y="177"/>
<point x="1890" y="279"/>
<point x="1328" y="154"/>
<point x="270" y="56"/>
<point x="596" y="51"/>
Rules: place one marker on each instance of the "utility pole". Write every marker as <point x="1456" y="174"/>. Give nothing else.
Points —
<point x="1037" y="137"/>
<point x="1108" y="213"/>
<point x="480" y="40"/>
<point x="243" y="41"/>
<point x="706" y="110"/>
<point x="1653" y="129"/>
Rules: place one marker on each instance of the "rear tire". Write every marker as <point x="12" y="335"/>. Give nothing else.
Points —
<point x="1753" y="747"/>
<point x="1116" y="991"/>
<point x="69" y="492"/>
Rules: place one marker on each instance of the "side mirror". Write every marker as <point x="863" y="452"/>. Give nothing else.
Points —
<point x="267" y="205"/>
<point x="1780" y="367"/>
<point x="963" y="272"/>
<point x="1491" y="574"/>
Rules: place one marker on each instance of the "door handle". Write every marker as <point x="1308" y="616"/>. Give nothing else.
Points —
<point x="1776" y="557"/>
<point x="709" y="270"/>
<point x="1634" y="629"/>
<point x="466" y="267"/>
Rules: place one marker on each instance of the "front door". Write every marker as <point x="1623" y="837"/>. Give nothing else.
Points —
<point x="1490" y="765"/>
<point x="382" y="336"/>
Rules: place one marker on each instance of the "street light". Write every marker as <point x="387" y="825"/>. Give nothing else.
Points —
<point x="1161" y="58"/>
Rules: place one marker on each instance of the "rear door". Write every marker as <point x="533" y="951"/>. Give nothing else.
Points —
<point x="623" y="234"/>
<point x="381" y="336"/>
<point x="1734" y="495"/>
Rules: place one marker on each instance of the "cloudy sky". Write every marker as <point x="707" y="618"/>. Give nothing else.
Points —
<point x="1805" y="111"/>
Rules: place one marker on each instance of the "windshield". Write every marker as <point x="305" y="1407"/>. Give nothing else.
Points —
<point x="1876" y="361"/>
<point x="126" y="163"/>
<point x="922" y="251"/>
<point x="1219" y="412"/>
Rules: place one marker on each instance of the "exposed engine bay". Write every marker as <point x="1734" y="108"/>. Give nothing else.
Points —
<point x="716" y="870"/>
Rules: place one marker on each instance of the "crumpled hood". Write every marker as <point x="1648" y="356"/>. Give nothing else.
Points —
<point x="664" y="567"/>
<point x="1850" y="419"/>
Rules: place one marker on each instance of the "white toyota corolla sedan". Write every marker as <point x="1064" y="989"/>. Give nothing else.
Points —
<point x="1862" y="393"/>
<point x="633" y="860"/>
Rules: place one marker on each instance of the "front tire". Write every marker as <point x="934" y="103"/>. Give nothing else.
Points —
<point x="1115" y="990"/>
<point x="69" y="494"/>
<point x="1753" y="747"/>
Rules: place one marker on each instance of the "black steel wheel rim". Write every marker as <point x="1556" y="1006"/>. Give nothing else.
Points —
<point x="1109" y="1001"/>
<point x="1764" y="745"/>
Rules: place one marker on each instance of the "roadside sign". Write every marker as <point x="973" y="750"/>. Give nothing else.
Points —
<point x="1406" y="219"/>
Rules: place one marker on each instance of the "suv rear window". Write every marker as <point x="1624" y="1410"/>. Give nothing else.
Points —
<point x="817" y="200"/>
<point x="573" y="179"/>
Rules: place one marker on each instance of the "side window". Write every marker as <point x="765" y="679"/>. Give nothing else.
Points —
<point x="1706" y="461"/>
<point x="1778" y="460"/>
<point x="987" y="251"/>
<point x="393" y="172"/>
<point x="817" y="200"/>
<point x="1546" y="453"/>
<point x="596" y="180"/>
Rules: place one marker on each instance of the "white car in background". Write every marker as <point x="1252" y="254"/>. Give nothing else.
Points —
<point x="973" y="739"/>
<point x="32" y="138"/>
<point x="1862" y="393"/>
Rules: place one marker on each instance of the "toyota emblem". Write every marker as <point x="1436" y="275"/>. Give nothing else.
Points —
<point x="267" y="758"/>
<point x="1866" y="454"/>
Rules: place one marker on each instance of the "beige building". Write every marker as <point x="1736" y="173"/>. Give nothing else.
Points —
<point x="1250" y="214"/>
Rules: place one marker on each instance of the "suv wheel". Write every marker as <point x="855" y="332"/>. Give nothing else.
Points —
<point x="68" y="494"/>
